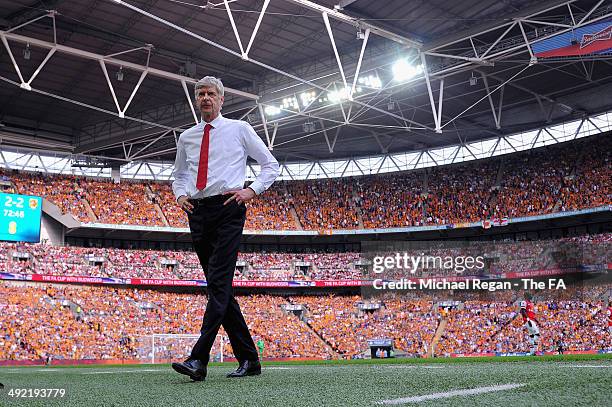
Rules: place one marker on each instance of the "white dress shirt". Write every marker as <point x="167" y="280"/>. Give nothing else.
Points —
<point x="231" y="141"/>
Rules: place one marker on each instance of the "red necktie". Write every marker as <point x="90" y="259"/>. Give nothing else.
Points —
<point x="203" y="166"/>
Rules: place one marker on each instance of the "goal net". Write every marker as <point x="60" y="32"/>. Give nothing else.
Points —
<point x="167" y="348"/>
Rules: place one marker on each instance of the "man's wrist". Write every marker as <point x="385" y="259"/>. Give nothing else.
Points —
<point x="179" y="198"/>
<point x="255" y="192"/>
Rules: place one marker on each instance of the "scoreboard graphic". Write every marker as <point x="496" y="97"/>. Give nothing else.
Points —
<point x="20" y="217"/>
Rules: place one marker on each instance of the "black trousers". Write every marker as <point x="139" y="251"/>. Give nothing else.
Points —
<point x="216" y="230"/>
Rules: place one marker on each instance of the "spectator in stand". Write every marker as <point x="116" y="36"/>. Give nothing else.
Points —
<point x="175" y="216"/>
<point x="460" y="193"/>
<point x="391" y="200"/>
<point x="324" y="204"/>
<point x="133" y="205"/>
<point x="273" y="212"/>
<point x="63" y="190"/>
<point x="589" y="185"/>
<point x="532" y="181"/>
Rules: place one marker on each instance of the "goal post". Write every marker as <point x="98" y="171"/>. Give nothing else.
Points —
<point x="167" y="348"/>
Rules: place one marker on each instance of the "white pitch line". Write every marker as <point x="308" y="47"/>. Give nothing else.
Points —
<point x="126" y="371"/>
<point x="453" y="393"/>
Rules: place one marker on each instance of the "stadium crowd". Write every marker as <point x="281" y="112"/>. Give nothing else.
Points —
<point x="66" y="191"/>
<point x="129" y="203"/>
<point x="589" y="185"/>
<point x="574" y="318"/>
<point x="498" y="258"/>
<point x="410" y="324"/>
<point x="164" y="197"/>
<point x="86" y="322"/>
<point x="181" y="265"/>
<point x="391" y="200"/>
<point x="324" y="204"/>
<point x="108" y="323"/>
<point x="556" y="178"/>
<point x="461" y="193"/>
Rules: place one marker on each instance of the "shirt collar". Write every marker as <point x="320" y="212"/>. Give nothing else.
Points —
<point x="216" y="122"/>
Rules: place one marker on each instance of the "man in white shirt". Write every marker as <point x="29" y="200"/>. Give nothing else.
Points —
<point x="209" y="171"/>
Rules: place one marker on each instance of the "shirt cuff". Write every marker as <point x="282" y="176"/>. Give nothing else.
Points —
<point x="256" y="187"/>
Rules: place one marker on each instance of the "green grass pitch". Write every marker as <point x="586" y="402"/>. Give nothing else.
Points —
<point x="530" y="381"/>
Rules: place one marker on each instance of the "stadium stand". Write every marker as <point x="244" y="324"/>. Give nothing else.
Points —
<point x="324" y="204"/>
<point x="411" y="324"/>
<point x="490" y="327"/>
<point x="107" y="323"/>
<point x="93" y="322"/>
<point x="562" y="177"/>
<point x="184" y="265"/>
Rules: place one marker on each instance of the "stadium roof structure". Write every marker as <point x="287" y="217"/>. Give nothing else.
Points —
<point x="110" y="82"/>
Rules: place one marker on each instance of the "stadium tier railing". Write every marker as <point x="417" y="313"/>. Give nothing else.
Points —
<point x="485" y="223"/>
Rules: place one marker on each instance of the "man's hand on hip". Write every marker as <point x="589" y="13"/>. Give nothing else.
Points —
<point x="240" y="195"/>
<point x="184" y="203"/>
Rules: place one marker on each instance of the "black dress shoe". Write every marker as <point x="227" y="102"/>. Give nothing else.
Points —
<point x="247" y="368"/>
<point x="193" y="368"/>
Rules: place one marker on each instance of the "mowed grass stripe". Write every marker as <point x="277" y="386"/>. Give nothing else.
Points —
<point x="547" y="383"/>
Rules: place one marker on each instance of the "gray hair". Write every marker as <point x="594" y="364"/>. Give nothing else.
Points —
<point x="209" y="81"/>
